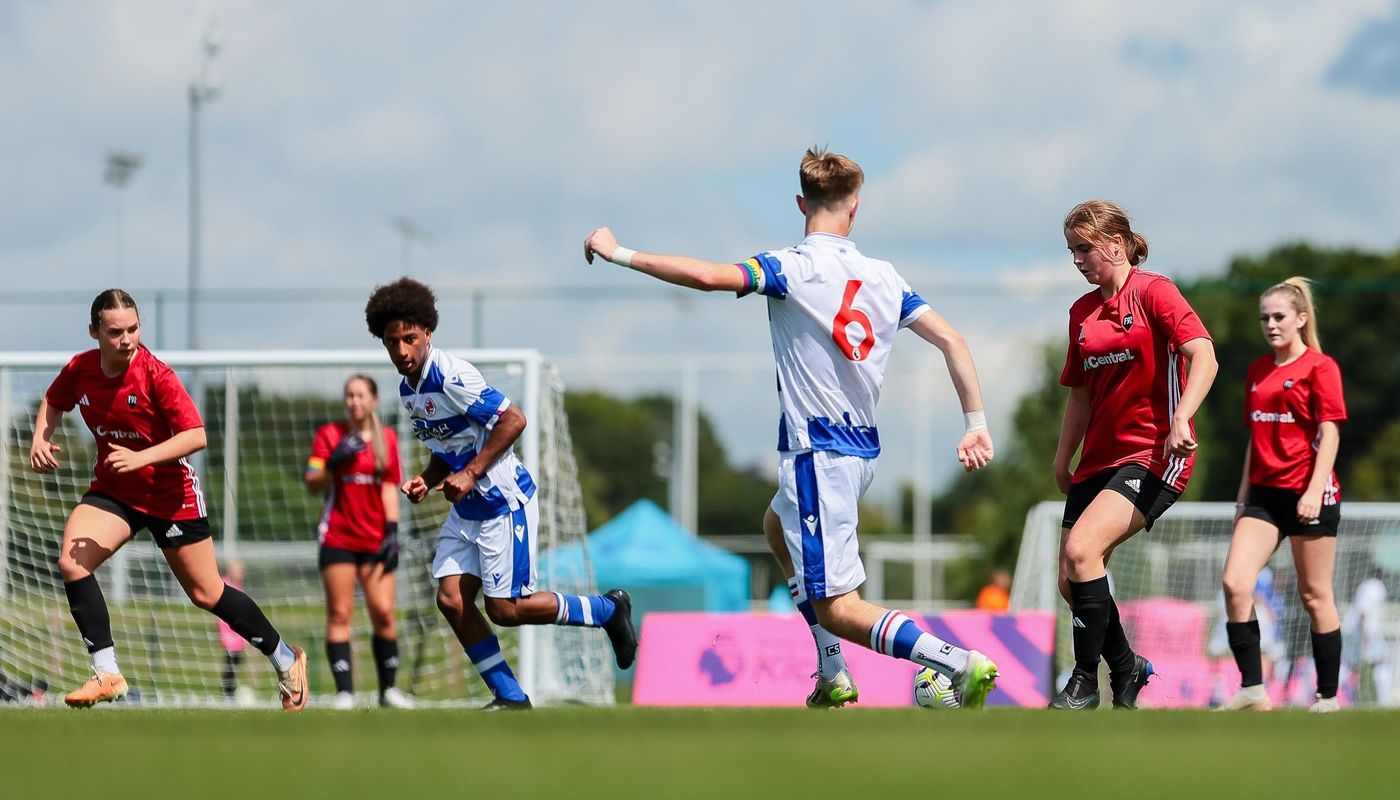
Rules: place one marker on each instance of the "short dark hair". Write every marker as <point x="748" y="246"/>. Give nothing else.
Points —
<point x="111" y="300"/>
<point x="405" y="300"/>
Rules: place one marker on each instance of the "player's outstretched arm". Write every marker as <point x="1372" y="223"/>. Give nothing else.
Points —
<point x="1200" y="355"/>
<point x="507" y="428"/>
<point x="190" y="440"/>
<point x="692" y="273"/>
<point x="975" y="449"/>
<point x="42" y="451"/>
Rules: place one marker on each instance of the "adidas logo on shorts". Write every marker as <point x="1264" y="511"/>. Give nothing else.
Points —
<point x="1135" y="484"/>
<point x="1078" y="623"/>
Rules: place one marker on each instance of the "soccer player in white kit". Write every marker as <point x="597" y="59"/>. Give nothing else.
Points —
<point x="833" y="313"/>
<point x="470" y="427"/>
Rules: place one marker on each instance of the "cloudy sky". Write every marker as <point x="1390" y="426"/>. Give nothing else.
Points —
<point x="507" y="131"/>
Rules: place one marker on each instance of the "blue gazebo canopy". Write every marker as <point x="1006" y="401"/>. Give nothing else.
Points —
<point x="642" y="547"/>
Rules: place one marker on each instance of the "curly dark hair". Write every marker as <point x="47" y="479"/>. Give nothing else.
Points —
<point x="405" y="300"/>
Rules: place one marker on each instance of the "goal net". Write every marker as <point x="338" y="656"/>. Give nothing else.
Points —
<point x="260" y="410"/>
<point x="1167" y="586"/>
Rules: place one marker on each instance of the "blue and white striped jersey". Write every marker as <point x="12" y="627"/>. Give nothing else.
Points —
<point x="453" y="410"/>
<point x="832" y="315"/>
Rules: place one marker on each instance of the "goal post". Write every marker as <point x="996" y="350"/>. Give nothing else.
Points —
<point x="261" y="409"/>
<point x="1166" y="583"/>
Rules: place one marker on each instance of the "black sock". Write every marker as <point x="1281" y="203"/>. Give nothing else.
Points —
<point x="386" y="661"/>
<point x="1116" y="650"/>
<point x="89" y="609"/>
<point x="246" y="619"/>
<point x="229" y="682"/>
<point x="1327" y="655"/>
<point x="1090" y="602"/>
<point x="342" y="669"/>
<point x="1244" y="643"/>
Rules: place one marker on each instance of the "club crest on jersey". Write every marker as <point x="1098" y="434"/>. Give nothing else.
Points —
<point x="1127" y="321"/>
<point x="1288" y="384"/>
<point x="131" y="400"/>
<point x="428" y="406"/>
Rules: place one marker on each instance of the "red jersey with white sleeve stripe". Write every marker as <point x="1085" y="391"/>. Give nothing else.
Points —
<point x="1284" y="408"/>
<point x="1126" y="351"/>
<point x="142" y="407"/>
<point x="353" y="518"/>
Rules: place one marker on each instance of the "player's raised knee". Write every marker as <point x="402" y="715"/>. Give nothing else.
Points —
<point x="503" y="612"/>
<point x="449" y="602"/>
<point x="1080" y="555"/>
<point x="70" y="569"/>
<point x="205" y="597"/>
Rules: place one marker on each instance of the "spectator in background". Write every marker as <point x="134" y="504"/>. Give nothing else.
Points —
<point x="996" y="595"/>
<point x="1367" y="652"/>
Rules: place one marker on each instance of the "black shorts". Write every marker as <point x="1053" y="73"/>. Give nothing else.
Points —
<point x="167" y="533"/>
<point x="1146" y="491"/>
<point x="1279" y="508"/>
<point x="339" y="555"/>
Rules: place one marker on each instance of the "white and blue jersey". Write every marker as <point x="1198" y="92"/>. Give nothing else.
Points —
<point x="453" y="410"/>
<point x="832" y="314"/>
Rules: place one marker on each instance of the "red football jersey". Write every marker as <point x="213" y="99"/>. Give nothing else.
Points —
<point x="1284" y="407"/>
<point x="142" y="407"/>
<point x="1126" y="351"/>
<point x="353" y="518"/>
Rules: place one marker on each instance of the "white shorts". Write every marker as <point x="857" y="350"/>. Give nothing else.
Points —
<point x="495" y="550"/>
<point x="818" y="493"/>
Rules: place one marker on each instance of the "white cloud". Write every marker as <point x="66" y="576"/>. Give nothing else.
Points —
<point x="509" y="130"/>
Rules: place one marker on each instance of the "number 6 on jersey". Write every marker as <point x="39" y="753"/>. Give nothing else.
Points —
<point x="847" y="316"/>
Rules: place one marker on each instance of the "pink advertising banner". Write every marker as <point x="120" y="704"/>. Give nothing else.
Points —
<point x="698" y="659"/>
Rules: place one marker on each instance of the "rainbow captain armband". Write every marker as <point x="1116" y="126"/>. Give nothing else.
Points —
<point x="315" y="464"/>
<point x="752" y="274"/>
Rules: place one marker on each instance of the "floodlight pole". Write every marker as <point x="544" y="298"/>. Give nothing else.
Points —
<point x="202" y="91"/>
<point x="121" y="165"/>
<point x="411" y="235"/>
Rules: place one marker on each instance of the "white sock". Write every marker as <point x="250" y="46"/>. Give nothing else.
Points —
<point x="938" y="655"/>
<point x="105" y="660"/>
<point x="283" y="658"/>
<point x="830" y="659"/>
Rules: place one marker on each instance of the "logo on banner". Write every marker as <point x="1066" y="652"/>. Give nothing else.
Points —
<point x="721" y="662"/>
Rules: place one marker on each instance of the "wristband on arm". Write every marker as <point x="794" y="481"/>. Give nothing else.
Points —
<point x="974" y="421"/>
<point x="622" y="256"/>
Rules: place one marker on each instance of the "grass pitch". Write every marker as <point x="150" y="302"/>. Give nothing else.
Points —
<point x="716" y="753"/>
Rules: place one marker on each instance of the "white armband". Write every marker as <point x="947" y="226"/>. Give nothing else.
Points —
<point x="974" y="421"/>
<point x="622" y="256"/>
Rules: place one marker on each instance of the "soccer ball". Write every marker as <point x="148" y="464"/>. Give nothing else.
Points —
<point x="933" y="689"/>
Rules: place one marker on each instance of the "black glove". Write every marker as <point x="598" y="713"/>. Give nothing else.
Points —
<point x="345" y="452"/>
<point x="388" y="554"/>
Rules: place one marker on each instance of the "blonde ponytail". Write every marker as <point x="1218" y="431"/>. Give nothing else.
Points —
<point x="1300" y="290"/>
<point x="378" y="446"/>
